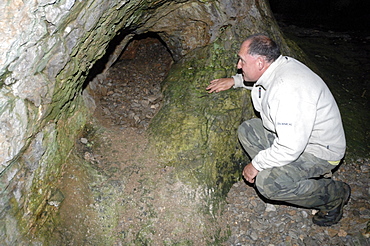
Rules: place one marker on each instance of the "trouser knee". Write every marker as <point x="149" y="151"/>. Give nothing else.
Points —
<point x="266" y="185"/>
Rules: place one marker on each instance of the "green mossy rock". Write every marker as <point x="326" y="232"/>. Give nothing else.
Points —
<point x="196" y="131"/>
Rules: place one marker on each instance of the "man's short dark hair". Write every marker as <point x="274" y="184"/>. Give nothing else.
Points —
<point x="264" y="46"/>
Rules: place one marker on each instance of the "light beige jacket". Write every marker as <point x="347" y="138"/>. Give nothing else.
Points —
<point x="299" y="108"/>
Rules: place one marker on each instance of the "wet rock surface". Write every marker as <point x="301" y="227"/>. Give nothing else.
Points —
<point x="130" y="96"/>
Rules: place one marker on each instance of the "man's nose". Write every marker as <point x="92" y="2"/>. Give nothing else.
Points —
<point x="238" y="65"/>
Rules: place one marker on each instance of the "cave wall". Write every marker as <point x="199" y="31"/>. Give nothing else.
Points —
<point x="196" y="132"/>
<point x="44" y="60"/>
<point x="46" y="52"/>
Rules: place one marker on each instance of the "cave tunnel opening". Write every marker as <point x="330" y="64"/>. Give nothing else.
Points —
<point x="126" y="87"/>
<point x="128" y="92"/>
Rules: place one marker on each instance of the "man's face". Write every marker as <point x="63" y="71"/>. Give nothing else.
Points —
<point x="248" y="64"/>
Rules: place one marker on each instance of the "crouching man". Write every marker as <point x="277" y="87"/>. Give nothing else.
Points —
<point x="299" y="138"/>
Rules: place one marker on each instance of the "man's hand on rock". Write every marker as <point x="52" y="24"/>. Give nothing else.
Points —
<point x="218" y="85"/>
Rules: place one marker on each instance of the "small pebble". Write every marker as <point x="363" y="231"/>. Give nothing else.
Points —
<point x="84" y="140"/>
<point x="270" y="207"/>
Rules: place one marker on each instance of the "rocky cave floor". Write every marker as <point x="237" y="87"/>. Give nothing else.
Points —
<point x="127" y="98"/>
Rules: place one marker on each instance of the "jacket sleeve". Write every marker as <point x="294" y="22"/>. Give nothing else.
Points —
<point x="293" y="118"/>
<point x="239" y="82"/>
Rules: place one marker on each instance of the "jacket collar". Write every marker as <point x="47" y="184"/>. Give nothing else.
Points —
<point x="264" y="80"/>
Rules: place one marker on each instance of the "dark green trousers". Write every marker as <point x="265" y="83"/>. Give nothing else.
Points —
<point x="304" y="182"/>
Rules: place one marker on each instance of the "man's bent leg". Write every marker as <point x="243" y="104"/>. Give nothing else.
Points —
<point x="254" y="137"/>
<point x="301" y="183"/>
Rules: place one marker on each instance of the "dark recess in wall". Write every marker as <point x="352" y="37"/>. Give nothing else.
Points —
<point x="100" y="65"/>
<point x="335" y="15"/>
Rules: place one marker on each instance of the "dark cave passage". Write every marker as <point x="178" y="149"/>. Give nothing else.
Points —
<point x="335" y="15"/>
<point x="128" y="94"/>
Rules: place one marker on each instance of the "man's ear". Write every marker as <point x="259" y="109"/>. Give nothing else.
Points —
<point x="261" y="62"/>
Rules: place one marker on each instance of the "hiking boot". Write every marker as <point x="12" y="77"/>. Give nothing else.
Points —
<point x="331" y="217"/>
